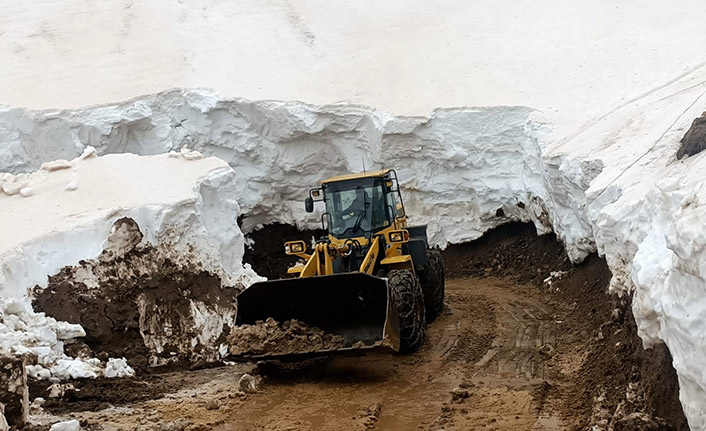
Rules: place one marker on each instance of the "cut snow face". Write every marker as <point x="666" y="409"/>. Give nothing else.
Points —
<point x="456" y="164"/>
<point x="142" y="302"/>
<point x="138" y="236"/>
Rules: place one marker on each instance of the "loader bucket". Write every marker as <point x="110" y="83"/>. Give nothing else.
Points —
<point x="354" y="306"/>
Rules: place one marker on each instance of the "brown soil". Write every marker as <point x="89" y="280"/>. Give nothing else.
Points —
<point x="598" y="350"/>
<point x="271" y="338"/>
<point x="13" y="395"/>
<point x="616" y="359"/>
<point x="512" y="250"/>
<point x="94" y="395"/>
<point x="137" y="294"/>
<point x="266" y="255"/>
<point x="509" y="353"/>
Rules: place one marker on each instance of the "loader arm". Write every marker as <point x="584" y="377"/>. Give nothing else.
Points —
<point x="371" y="258"/>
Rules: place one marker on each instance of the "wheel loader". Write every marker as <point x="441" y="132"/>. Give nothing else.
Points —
<point x="373" y="280"/>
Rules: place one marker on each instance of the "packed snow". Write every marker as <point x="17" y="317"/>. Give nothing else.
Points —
<point x="279" y="149"/>
<point x="72" y="425"/>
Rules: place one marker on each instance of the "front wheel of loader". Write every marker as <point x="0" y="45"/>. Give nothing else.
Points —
<point x="408" y="300"/>
<point x="432" y="280"/>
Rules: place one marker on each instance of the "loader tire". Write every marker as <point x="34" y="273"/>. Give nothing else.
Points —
<point x="408" y="300"/>
<point x="432" y="281"/>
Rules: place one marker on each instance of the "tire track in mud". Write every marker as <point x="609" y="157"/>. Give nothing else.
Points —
<point x="479" y="368"/>
<point x="506" y="388"/>
<point x="448" y="384"/>
<point x="508" y="353"/>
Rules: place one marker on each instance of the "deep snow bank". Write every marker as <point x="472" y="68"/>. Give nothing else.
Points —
<point x="647" y="217"/>
<point x="458" y="167"/>
<point x="181" y="203"/>
<point x="613" y="186"/>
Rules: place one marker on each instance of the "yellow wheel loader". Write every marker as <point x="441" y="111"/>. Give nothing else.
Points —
<point x="373" y="280"/>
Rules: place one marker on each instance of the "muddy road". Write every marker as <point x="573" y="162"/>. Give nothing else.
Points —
<point x="480" y="368"/>
<point x="484" y="365"/>
<point x="527" y="342"/>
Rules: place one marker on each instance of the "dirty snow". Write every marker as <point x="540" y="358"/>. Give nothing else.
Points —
<point x="54" y="228"/>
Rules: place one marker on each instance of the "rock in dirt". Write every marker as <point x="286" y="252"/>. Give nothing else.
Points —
<point x="459" y="394"/>
<point x="694" y="140"/>
<point x="247" y="383"/>
<point x="178" y="425"/>
<point x="546" y="351"/>
<point x="370" y="416"/>
<point x="212" y="405"/>
<point x="269" y="338"/>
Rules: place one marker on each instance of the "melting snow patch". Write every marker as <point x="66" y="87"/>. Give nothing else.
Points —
<point x="118" y="368"/>
<point x="72" y="425"/>
<point x="74" y="369"/>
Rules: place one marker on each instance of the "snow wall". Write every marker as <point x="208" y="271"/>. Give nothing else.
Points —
<point x="614" y="186"/>
<point x="184" y="210"/>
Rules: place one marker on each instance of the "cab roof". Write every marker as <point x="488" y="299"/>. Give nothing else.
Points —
<point x="369" y="174"/>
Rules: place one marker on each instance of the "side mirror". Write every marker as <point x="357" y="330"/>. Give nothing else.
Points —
<point x="309" y="204"/>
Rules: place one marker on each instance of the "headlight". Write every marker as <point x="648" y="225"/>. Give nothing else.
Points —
<point x="396" y="236"/>
<point x="293" y="247"/>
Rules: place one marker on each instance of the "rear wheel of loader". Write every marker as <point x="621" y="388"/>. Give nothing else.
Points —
<point x="408" y="300"/>
<point x="432" y="281"/>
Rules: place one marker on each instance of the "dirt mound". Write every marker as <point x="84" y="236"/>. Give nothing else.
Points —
<point x="270" y="337"/>
<point x="617" y="370"/>
<point x="143" y="303"/>
<point x="565" y="354"/>
<point x="266" y="255"/>
<point x="596" y="328"/>
<point x="513" y="250"/>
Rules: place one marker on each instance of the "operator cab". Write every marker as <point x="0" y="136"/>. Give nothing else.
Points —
<point x="359" y="205"/>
